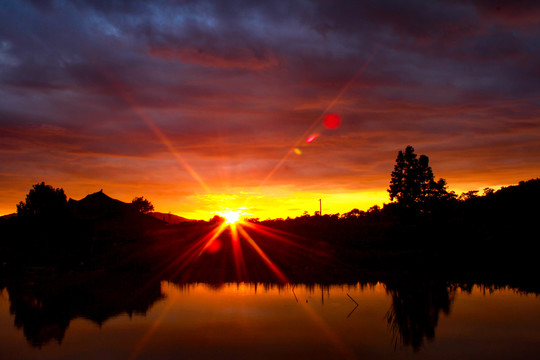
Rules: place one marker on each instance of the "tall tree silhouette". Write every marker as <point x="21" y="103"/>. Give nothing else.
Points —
<point x="412" y="182"/>
<point x="44" y="201"/>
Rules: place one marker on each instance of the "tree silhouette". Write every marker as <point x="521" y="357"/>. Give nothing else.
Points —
<point x="353" y="214"/>
<point x="472" y="194"/>
<point x="44" y="201"/>
<point x="142" y="205"/>
<point x="216" y="219"/>
<point x="412" y="182"/>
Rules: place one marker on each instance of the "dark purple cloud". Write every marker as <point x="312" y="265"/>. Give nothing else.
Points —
<point x="233" y="85"/>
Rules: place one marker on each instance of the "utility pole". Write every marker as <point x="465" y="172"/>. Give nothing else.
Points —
<point x="320" y="207"/>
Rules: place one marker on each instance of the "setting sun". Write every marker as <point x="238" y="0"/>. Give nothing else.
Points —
<point x="231" y="216"/>
<point x="329" y="179"/>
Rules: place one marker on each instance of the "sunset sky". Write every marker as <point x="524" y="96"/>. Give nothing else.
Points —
<point x="199" y="105"/>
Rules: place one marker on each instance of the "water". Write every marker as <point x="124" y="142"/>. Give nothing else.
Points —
<point x="247" y="321"/>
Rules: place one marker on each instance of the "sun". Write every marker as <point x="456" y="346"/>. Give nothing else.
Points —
<point x="231" y="216"/>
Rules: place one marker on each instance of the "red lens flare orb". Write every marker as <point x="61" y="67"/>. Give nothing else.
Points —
<point x="310" y="139"/>
<point x="214" y="247"/>
<point x="332" y="121"/>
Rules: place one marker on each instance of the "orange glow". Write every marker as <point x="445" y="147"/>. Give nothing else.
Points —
<point x="276" y="202"/>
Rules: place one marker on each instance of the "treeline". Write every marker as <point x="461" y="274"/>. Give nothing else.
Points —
<point x="493" y="234"/>
<point x="428" y="227"/>
<point x="508" y="206"/>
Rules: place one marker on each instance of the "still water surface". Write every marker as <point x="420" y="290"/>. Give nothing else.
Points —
<point x="247" y="321"/>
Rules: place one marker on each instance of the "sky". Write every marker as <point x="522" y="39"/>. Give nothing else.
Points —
<point x="205" y="106"/>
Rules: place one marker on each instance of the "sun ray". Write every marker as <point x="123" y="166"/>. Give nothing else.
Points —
<point x="165" y="141"/>
<point x="263" y="256"/>
<point x="286" y="239"/>
<point x="193" y="252"/>
<point x="153" y="327"/>
<point x="239" y="262"/>
<point x="124" y="94"/>
<point x="329" y="333"/>
<point x="213" y="237"/>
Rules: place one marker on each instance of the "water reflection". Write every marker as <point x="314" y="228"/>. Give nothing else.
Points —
<point x="44" y="309"/>
<point x="201" y="320"/>
<point x="415" y="310"/>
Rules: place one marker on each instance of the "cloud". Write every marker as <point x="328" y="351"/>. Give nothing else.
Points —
<point x="232" y="58"/>
<point x="95" y="91"/>
<point x="516" y="13"/>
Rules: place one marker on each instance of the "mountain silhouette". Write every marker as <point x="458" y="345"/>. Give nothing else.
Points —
<point x="98" y="205"/>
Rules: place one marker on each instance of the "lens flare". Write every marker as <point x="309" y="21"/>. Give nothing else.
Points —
<point x="310" y="139"/>
<point x="214" y="247"/>
<point x="332" y="121"/>
<point x="231" y="216"/>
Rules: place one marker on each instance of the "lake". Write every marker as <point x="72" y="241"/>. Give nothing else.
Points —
<point x="247" y="321"/>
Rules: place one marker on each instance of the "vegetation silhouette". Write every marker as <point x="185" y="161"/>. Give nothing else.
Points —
<point x="413" y="185"/>
<point x="142" y="205"/>
<point x="43" y="201"/>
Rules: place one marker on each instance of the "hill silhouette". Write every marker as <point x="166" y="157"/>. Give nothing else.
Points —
<point x="168" y="217"/>
<point x="81" y="235"/>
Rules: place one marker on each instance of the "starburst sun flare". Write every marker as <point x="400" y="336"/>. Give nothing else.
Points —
<point x="231" y="216"/>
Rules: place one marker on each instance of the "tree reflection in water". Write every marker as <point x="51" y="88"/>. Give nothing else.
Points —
<point x="44" y="309"/>
<point x="415" y="310"/>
